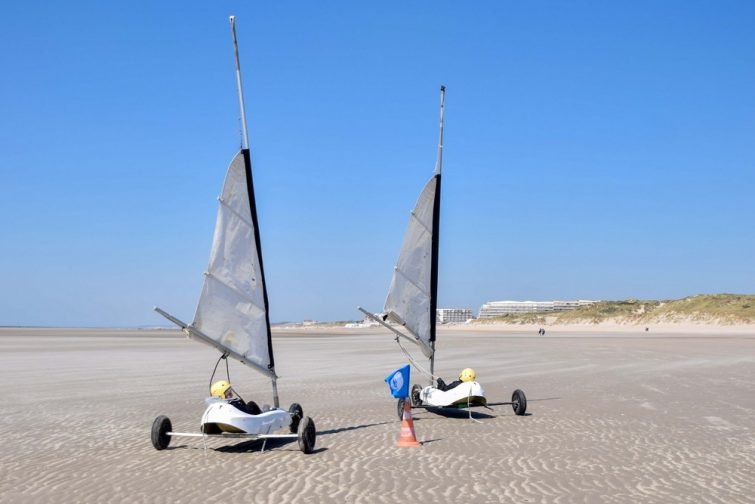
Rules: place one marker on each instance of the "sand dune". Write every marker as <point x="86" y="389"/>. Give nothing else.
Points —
<point x="614" y="417"/>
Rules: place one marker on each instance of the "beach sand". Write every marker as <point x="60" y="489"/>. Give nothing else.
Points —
<point x="614" y="416"/>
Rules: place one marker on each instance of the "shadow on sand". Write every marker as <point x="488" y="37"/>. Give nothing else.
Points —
<point x="456" y="413"/>
<point x="253" y="445"/>
<point x="256" y="445"/>
<point x="273" y="443"/>
<point x="349" y="428"/>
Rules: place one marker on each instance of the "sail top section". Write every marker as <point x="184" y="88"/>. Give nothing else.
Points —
<point x="232" y="308"/>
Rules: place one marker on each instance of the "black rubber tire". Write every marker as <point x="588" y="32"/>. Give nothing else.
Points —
<point x="400" y="408"/>
<point x="519" y="402"/>
<point x="253" y="408"/>
<point x="307" y="435"/>
<point x="297" y="413"/>
<point x="160" y="428"/>
<point x="416" y="391"/>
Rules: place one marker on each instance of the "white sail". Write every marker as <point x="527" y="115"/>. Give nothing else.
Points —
<point x="410" y="297"/>
<point x="232" y="309"/>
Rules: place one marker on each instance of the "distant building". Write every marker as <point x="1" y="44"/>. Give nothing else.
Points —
<point x="365" y="323"/>
<point x="498" y="308"/>
<point x="453" y="315"/>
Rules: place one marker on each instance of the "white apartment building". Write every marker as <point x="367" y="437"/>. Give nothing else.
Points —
<point x="453" y="314"/>
<point x="498" y="308"/>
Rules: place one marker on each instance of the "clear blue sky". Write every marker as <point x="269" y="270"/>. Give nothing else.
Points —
<point x="598" y="150"/>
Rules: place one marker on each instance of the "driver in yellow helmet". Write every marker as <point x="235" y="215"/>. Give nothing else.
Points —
<point x="223" y="390"/>
<point x="466" y="375"/>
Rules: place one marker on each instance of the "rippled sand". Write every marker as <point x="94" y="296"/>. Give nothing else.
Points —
<point x="614" y="417"/>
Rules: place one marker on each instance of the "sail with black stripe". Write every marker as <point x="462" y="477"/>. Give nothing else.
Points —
<point x="233" y="305"/>
<point x="232" y="313"/>
<point x="413" y="293"/>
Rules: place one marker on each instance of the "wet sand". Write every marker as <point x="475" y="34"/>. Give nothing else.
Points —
<point x="613" y="417"/>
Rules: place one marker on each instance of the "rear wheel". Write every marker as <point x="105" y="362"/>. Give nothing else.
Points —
<point x="416" y="395"/>
<point x="307" y="435"/>
<point x="297" y="413"/>
<point x="160" y="428"/>
<point x="519" y="402"/>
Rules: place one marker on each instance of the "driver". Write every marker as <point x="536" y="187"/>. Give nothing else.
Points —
<point x="466" y="375"/>
<point x="223" y="390"/>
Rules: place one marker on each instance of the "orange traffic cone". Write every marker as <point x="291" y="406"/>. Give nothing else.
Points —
<point x="407" y="436"/>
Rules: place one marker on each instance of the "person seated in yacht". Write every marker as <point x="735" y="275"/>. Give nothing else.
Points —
<point x="223" y="390"/>
<point x="466" y="375"/>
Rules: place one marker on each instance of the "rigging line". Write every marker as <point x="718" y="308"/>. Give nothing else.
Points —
<point x="429" y="231"/>
<point x="414" y="362"/>
<point x="397" y="270"/>
<point x="222" y="356"/>
<point x="234" y="212"/>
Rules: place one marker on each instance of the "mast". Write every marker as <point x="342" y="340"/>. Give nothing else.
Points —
<point x="439" y="160"/>
<point x="244" y="133"/>
<point x="253" y="207"/>
<point x="435" y="239"/>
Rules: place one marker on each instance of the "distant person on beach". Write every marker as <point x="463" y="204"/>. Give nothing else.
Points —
<point x="541" y="332"/>
<point x="467" y="374"/>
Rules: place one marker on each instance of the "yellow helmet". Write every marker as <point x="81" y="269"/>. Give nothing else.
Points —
<point x="467" y="374"/>
<point x="219" y="388"/>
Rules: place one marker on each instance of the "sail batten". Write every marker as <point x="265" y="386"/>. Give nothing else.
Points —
<point x="240" y="217"/>
<point x="231" y="287"/>
<point x="406" y="277"/>
<point x="418" y="221"/>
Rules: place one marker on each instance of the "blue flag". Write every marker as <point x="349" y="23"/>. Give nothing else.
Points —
<point x="398" y="382"/>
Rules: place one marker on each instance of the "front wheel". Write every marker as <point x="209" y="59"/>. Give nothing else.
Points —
<point x="416" y="395"/>
<point x="519" y="402"/>
<point x="160" y="428"/>
<point x="307" y="435"/>
<point x="297" y="413"/>
<point x="400" y="408"/>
